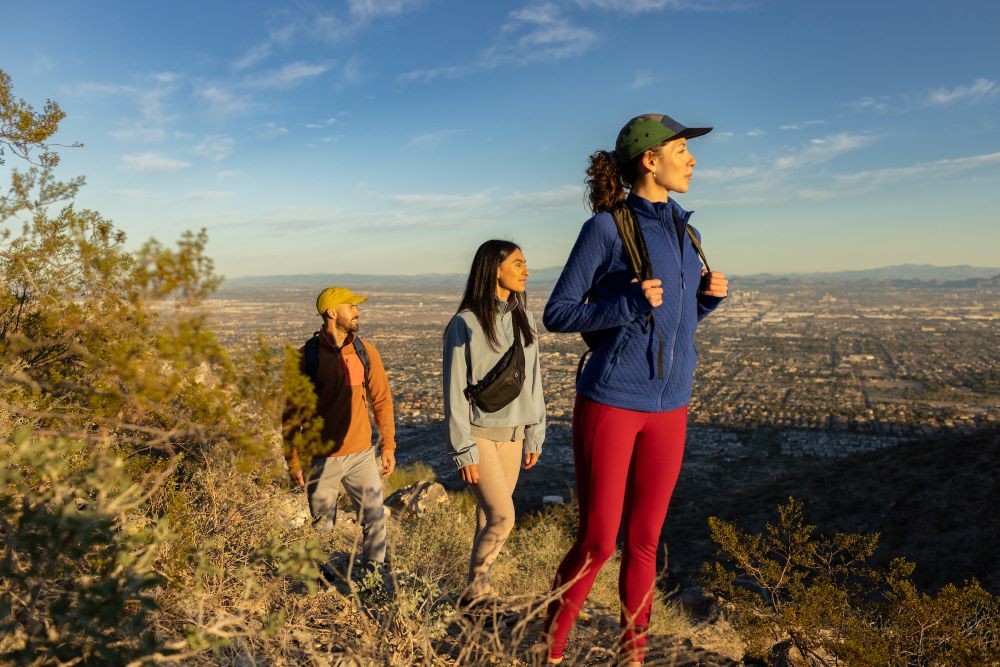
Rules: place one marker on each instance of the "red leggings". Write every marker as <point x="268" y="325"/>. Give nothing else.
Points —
<point x="624" y="460"/>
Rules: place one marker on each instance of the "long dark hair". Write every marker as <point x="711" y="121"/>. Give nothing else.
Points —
<point x="480" y="296"/>
<point x="608" y="180"/>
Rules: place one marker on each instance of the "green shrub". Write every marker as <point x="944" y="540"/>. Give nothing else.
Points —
<point x="73" y="584"/>
<point x="789" y="587"/>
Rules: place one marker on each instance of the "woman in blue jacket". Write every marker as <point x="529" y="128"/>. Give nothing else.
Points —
<point x="630" y="418"/>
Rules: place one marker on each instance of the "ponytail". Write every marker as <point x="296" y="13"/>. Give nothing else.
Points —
<point x="605" y="186"/>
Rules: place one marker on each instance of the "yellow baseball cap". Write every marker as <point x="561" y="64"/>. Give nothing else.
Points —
<point x="334" y="296"/>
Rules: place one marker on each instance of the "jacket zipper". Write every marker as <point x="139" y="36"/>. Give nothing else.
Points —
<point x="680" y="312"/>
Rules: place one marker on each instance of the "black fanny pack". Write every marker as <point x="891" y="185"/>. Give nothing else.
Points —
<point x="503" y="382"/>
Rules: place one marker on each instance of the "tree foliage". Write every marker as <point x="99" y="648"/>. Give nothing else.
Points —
<point x="126" y="436"/>
<point x="791" y="588"/>
<point x="22" y="129"/>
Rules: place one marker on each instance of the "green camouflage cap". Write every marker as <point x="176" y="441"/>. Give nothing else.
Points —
<point x="648" y="131"/>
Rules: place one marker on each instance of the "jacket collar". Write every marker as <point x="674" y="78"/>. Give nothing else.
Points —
<point x="668" y="211"/>
<point x="504" y="307"/>
<point x="327" y="339"/>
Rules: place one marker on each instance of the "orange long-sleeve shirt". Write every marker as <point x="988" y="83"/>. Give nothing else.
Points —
<point x="341" y="400"/>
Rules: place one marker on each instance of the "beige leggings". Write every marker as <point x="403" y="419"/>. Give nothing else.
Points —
<point x="499" y="466"/>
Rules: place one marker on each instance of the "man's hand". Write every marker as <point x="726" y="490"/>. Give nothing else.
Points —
<point x="298" y="480"/>
<point x="470" y="473"/>
<point x="388" y="461"/>
<point x="652" y="289"/>
<point x="714" y="283"/>
<point x="530" y="459"/>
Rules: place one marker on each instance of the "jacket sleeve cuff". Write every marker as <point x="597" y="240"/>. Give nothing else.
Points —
<point x="706" y="304"/>
<point x="534" y="436"/>
<point x="636" y="301"/>
<point x="467" y="456"/>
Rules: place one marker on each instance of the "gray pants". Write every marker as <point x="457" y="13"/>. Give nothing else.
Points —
<point x="361" y="477"/>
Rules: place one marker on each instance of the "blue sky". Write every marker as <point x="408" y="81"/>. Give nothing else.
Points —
<point x="393" y="136"/>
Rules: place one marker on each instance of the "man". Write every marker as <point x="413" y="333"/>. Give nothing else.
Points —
<point x="347" y="373"/>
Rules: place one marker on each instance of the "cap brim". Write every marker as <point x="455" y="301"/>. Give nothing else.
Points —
<point x="691" y="132"/>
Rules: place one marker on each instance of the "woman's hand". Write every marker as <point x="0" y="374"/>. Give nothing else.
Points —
<point x="652" y="289"/>
<point x="530" y="459"/>
<point x="714" y="284"/>
<point x="470" y="473"/>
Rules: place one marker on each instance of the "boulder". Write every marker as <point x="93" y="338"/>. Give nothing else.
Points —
<point x="416" y="499"/>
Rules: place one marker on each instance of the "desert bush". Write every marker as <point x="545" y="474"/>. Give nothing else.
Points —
<point x="140" y="519"/>
<point x="789" y="587"/>
<point x="74" y="586"/>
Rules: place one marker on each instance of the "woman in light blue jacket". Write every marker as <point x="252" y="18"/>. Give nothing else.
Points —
<point x="488" y="447"/>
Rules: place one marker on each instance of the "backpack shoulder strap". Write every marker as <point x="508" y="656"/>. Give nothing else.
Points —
<point x="362" y="352"/>
<point x="633" y="241"/>
<point x="697" y="246"/>
<point x="311" y="354"/>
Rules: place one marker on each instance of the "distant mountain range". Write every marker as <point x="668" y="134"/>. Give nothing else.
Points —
<point x="902" y="275"/>
<point x="952" y="276"/>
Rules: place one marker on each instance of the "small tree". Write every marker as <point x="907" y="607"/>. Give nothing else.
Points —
<point x="791" y="587"/>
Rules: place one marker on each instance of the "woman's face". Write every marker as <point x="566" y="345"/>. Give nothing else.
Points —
<point x="673" y="165"/>
<point x="512" y="275"/>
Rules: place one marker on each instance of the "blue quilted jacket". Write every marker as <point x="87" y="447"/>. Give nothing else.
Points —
<point x="640" y="363"/>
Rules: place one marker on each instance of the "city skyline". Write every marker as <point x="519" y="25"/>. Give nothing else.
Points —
<point x="393" y="136"/>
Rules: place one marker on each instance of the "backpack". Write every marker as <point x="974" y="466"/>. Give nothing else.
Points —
<point x="634" y="243"/>
<point x="311" y="354"/>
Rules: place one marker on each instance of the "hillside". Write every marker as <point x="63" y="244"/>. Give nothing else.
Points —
<point x="933" y="501"/>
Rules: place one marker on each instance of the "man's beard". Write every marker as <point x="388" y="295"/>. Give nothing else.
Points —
<point x="349" y="326"/>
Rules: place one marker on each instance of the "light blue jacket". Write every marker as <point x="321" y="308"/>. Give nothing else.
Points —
<point x="466" y="359"/>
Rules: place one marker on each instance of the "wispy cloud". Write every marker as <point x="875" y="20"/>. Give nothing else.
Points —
<point x="333" y="120"/>
<point x="802" y="124"/>
<point x="215" y="148"/>
<point x="876" y="178"/>
<point x="439" y="201"/>
<point x="152" y="163"/>
<point x="271" y="130"/>
<point x="791" y="166"/>
<point x="150" y="94"/>
<point x="365" y="10"/>
<point x="287" y="76"/>
<point x="205" y="196"/>
<point x="563" y="197"/>
<point x="223" y="100"/>
<point x="727" y="174"/>
<point x="822" y="150"/>
<point x="253" y="56"/>
<point x="878" y="104"/>
<point x="137" y="131"/>
<point x="980" y="89"/>
<point x="228" y="174"/>
<point x="641" y="6"/>
<point x="433" y="73"/>
<point x="538" y="32"/>
<point x="643" y="79"/>
<point x="756" y="132"/>
<point x="431" y="138"/>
